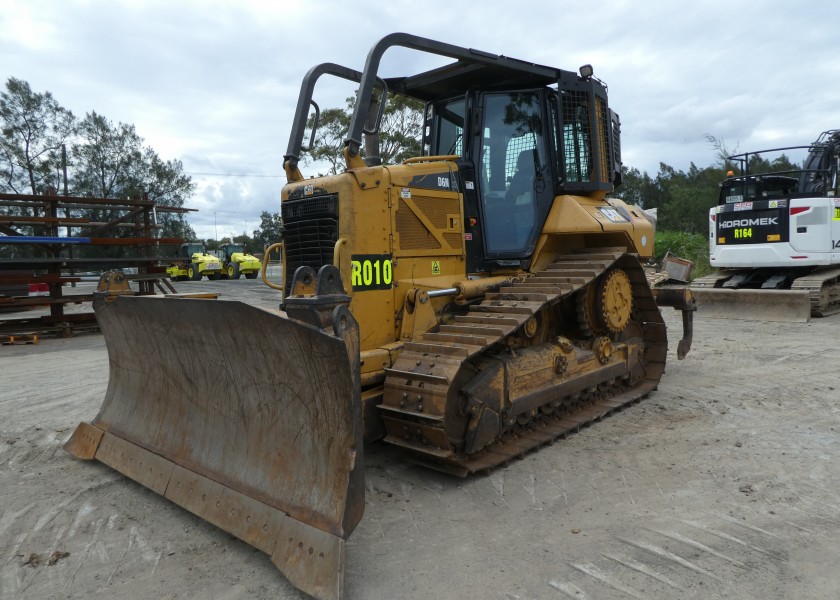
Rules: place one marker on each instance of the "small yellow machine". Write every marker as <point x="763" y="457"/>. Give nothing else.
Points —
<point x="195" y="264"/>
<point x="237" y="262"/>
<point x="465" y="306"/>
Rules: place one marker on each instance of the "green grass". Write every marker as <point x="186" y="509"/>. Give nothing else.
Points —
<point x="690" y="246"/>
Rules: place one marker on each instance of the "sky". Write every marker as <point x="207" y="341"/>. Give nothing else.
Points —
<point x="214" y="83"/>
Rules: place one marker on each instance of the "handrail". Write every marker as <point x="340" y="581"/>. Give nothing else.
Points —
<point x="307" y="89"/>
<point x="268" y="251"/>
<point x="440" y="157"/>
<point x="346" y="273"/>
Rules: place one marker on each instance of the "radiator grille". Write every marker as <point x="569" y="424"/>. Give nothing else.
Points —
<point x="310" y="231"/>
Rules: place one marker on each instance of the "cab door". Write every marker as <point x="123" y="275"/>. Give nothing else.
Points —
<point x="512" y="172"/>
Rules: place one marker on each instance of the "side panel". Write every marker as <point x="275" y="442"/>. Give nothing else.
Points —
<point x="810" y="230"/>
<point x="835" y="231"/>
<point x="427" y="223"/>
<point x="575" y="222"/>
<point x="428" y="226"/>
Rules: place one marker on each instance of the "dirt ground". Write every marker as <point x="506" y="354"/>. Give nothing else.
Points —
<point x="724" y="483"/>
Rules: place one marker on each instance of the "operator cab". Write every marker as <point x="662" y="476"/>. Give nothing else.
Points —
<point x="505" y="161"/>
<point x="190" y="249"/>
<point x="757" y="187"/>
<point x="518" y="149"/>
<point x="230" y="249"/>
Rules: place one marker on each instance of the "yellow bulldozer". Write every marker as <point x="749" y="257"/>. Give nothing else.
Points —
<point x="466" y="306"/>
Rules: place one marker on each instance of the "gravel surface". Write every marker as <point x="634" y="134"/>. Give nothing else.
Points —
<point x="724" y="483"/>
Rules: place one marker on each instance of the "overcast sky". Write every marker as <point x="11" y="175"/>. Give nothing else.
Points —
<point x="214" y="83"/>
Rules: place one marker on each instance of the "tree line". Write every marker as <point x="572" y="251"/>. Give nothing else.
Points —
<point x="683" y="198"/>
<point x="45" y="148"/>
<point x="268" y="233"/>
<point x="105" y="159"/>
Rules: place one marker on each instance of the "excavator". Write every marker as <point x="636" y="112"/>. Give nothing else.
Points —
<point x="466" y="306"/>
<point x="775" y="239"/>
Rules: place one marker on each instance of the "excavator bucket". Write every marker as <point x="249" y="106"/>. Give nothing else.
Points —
<point x="793" y="306"/>
<point x="245" y="417"/>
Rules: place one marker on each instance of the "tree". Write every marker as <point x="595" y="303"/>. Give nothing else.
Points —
<point x="780" y="164"/>
<point x="722" y="153"/>
<point x="34" y="129"/>
<point x="401" y="129"/>
<point x="166" y="183"/>
<point x="333" y="125"/>
<point x="247" y="242"/>
<point x="269" y="231"/>
<point x="755" y="164"/>
<point x="110" y="161"/>
<point x="639" y="188"/>
<point x="400" y="132"/>
<point x="107" y="158"/>
<point x="682" y="199"/>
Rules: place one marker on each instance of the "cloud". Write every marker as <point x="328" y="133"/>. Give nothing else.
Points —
<point x="215" y="84"/>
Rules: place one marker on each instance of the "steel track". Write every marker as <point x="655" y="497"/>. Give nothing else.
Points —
<point x="417" y="388"/>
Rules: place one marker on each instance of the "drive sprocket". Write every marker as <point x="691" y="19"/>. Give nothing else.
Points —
<point x="615" y="300"/>
<point x="605" y="306"/>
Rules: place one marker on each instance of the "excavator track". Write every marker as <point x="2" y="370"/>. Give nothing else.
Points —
<point x="711" y="281"/>
<point x="444" y="364"/>
<point x="823" y="290"/>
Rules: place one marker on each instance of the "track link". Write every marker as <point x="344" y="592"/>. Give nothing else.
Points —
<point x="429" y="370"/>
<point x="711" y="281"/>
<point x="823" y="290"/>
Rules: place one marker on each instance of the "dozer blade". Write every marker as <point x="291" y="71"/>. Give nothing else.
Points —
<point x="753" y="305"/>
<point x="242" y="416"/>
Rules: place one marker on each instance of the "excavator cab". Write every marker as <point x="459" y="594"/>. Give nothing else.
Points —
<point x="465" y="306"/>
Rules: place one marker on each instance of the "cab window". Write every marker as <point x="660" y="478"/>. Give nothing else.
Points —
<point x="449" y="138"/>
<point x="509" y="166"/>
